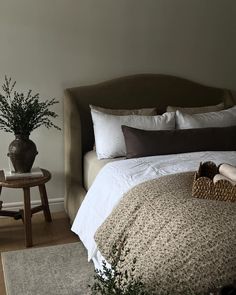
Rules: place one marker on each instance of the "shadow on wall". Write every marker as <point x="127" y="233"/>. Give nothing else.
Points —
<point x="57" y="181"/>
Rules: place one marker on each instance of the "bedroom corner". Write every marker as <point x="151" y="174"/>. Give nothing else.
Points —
<point x="130" y="78"/>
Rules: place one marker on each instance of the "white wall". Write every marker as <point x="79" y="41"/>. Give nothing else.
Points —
<point x="48" y="45"/>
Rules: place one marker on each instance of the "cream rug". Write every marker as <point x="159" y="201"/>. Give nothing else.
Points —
<point x="55" y="270"/>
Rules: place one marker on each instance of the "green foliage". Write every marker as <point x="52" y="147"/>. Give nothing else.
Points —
<point x="111" y="281"/>
<point x="20" y="113"/>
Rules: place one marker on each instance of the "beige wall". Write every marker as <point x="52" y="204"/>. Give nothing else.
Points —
<point x="48" y="45"/>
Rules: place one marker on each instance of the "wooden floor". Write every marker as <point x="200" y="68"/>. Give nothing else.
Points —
<point x="44" y="234"/>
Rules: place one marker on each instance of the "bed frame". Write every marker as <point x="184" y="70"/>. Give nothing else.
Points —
<point x="138" y="91"/>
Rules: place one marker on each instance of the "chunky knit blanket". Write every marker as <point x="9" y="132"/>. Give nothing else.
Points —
<point x="183" y="245"/>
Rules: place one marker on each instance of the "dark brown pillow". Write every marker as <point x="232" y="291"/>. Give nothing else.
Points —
<point x="144" y="143"/>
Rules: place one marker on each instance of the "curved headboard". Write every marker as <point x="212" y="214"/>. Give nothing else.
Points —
<point x="138" y="91"/>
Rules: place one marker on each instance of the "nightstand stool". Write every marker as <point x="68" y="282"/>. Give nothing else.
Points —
<point x="27" y="212"/>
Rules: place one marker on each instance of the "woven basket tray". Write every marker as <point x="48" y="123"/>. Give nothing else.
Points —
<point x="204" y="187"/>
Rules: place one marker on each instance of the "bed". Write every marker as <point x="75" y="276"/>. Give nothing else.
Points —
<point x="111" y="192"/>
<point x="136" y="91"/>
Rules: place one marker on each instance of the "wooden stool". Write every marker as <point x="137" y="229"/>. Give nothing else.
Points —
<point x="26" y="214"/>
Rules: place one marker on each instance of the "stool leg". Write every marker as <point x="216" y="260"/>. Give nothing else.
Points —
<point x="27" y="217"/>
<point x="44" y="200"/>
<point x="0" y="195"/>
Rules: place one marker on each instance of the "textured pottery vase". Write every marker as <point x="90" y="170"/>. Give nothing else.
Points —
<point x="22" y="152"/>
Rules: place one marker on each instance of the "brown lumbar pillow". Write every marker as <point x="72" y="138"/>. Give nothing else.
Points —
<point x="143" y="143"/>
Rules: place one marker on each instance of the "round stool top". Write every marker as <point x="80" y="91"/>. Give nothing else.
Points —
<point x="24" y="182"/>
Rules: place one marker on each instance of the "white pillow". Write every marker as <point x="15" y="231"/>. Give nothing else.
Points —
<point x="109" y="138"/>
<point x="197" y="110"/>
<point x="223" y="118"/>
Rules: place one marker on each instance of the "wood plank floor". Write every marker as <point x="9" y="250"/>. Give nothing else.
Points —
<point x="44" y="234"/>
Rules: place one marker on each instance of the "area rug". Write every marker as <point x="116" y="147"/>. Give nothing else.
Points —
<point x="55" y="270"/>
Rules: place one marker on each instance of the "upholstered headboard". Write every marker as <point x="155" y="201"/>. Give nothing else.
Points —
<point x="138" y="91"/>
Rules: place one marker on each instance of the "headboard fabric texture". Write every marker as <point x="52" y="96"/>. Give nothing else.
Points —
<point x="130" y="92"/>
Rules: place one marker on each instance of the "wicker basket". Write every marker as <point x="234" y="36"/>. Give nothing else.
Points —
<point x="204" y="187"/>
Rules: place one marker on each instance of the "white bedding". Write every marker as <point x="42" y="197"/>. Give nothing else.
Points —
<point x="116" y="178"/>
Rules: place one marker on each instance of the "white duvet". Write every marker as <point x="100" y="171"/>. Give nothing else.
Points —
<point x="118" y="177"/>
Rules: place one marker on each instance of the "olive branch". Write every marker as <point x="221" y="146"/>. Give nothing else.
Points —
<point x="20" y="113"/>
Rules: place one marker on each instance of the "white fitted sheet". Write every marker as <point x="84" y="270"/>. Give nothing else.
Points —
<point x="118" y="177"/>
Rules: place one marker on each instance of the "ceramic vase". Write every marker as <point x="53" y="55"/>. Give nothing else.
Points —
<point x="22" y="152"/>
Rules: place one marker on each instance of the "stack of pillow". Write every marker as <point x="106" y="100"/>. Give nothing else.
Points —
<point x="141" y="132"/>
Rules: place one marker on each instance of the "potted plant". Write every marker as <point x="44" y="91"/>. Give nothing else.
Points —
<point x="20" y="114"/>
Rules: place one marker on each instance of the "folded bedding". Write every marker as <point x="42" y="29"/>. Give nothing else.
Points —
<point x="182" y="245"/>
<point x="228" y="171"/>
<point x="219" y="177"/>
<point x="117" y="178"/>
